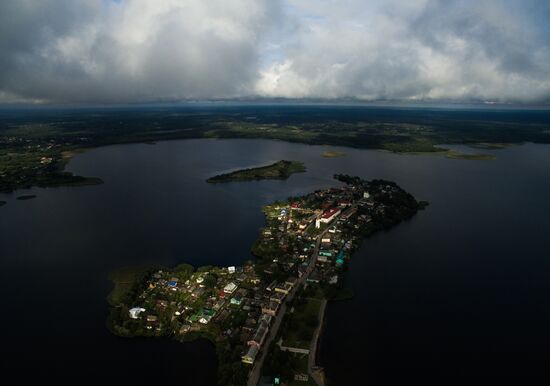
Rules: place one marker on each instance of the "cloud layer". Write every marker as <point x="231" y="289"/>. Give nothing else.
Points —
<point x="93" y="51"/>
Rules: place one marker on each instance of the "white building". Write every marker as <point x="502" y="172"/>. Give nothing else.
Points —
<point x="230" y="288"/>
<point x="134" y="312"/>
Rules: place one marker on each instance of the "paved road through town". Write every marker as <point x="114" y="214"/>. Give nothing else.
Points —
<point x="254" y="376"/>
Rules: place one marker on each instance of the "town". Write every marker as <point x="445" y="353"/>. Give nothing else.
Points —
<point x="275" y="302"/>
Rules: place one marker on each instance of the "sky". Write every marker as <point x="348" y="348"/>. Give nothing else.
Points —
<point x="142" y="51"/>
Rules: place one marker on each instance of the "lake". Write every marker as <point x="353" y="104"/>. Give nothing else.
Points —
<point x="457" y="295"/>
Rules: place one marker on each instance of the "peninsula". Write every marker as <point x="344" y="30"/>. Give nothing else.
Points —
<point x="279" y="170"/>
<point x="264" y="317"/>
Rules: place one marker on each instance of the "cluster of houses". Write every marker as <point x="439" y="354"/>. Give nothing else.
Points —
<point x="270" y="299"/>
<point x="328" y="212"/>
<point x="189" y="299"/>
<point x="236" y="289"/>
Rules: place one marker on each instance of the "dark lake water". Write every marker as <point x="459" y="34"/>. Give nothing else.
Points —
<point x="458" y="295"/>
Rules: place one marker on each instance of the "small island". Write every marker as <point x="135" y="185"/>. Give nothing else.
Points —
<point x="333" y="154"/>
<point x="27" y="197"/>
<point x="264" y="318"/>
<point x="279" y="170"/>
<point x="471" y="157"/>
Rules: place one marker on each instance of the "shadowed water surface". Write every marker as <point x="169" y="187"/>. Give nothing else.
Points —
<point x="459" y="293"/>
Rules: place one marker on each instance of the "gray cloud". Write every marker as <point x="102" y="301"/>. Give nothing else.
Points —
<point x="105" y="51"/>
<point x="433" y="49"/>
<point x="131" y="51"/>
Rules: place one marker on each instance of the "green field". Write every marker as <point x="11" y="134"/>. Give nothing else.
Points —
<point x="300" y="365"/>
<point x="125" y="281"/>
<point x="285" y="365"/>
<point x="302" y="323"/>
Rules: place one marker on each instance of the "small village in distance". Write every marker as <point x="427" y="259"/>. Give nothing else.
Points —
<point x="264" y="317"/>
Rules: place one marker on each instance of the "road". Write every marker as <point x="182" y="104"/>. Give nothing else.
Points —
<point x="254" y="375"/>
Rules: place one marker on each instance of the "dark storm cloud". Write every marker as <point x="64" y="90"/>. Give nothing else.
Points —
<point x="92" y="51"/>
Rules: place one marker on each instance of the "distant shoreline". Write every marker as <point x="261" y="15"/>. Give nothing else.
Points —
<point x="49" y="145"/>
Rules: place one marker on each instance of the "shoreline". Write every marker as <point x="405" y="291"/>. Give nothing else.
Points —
<point x="448" y="153"/>
<point x="315" y="370"/>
